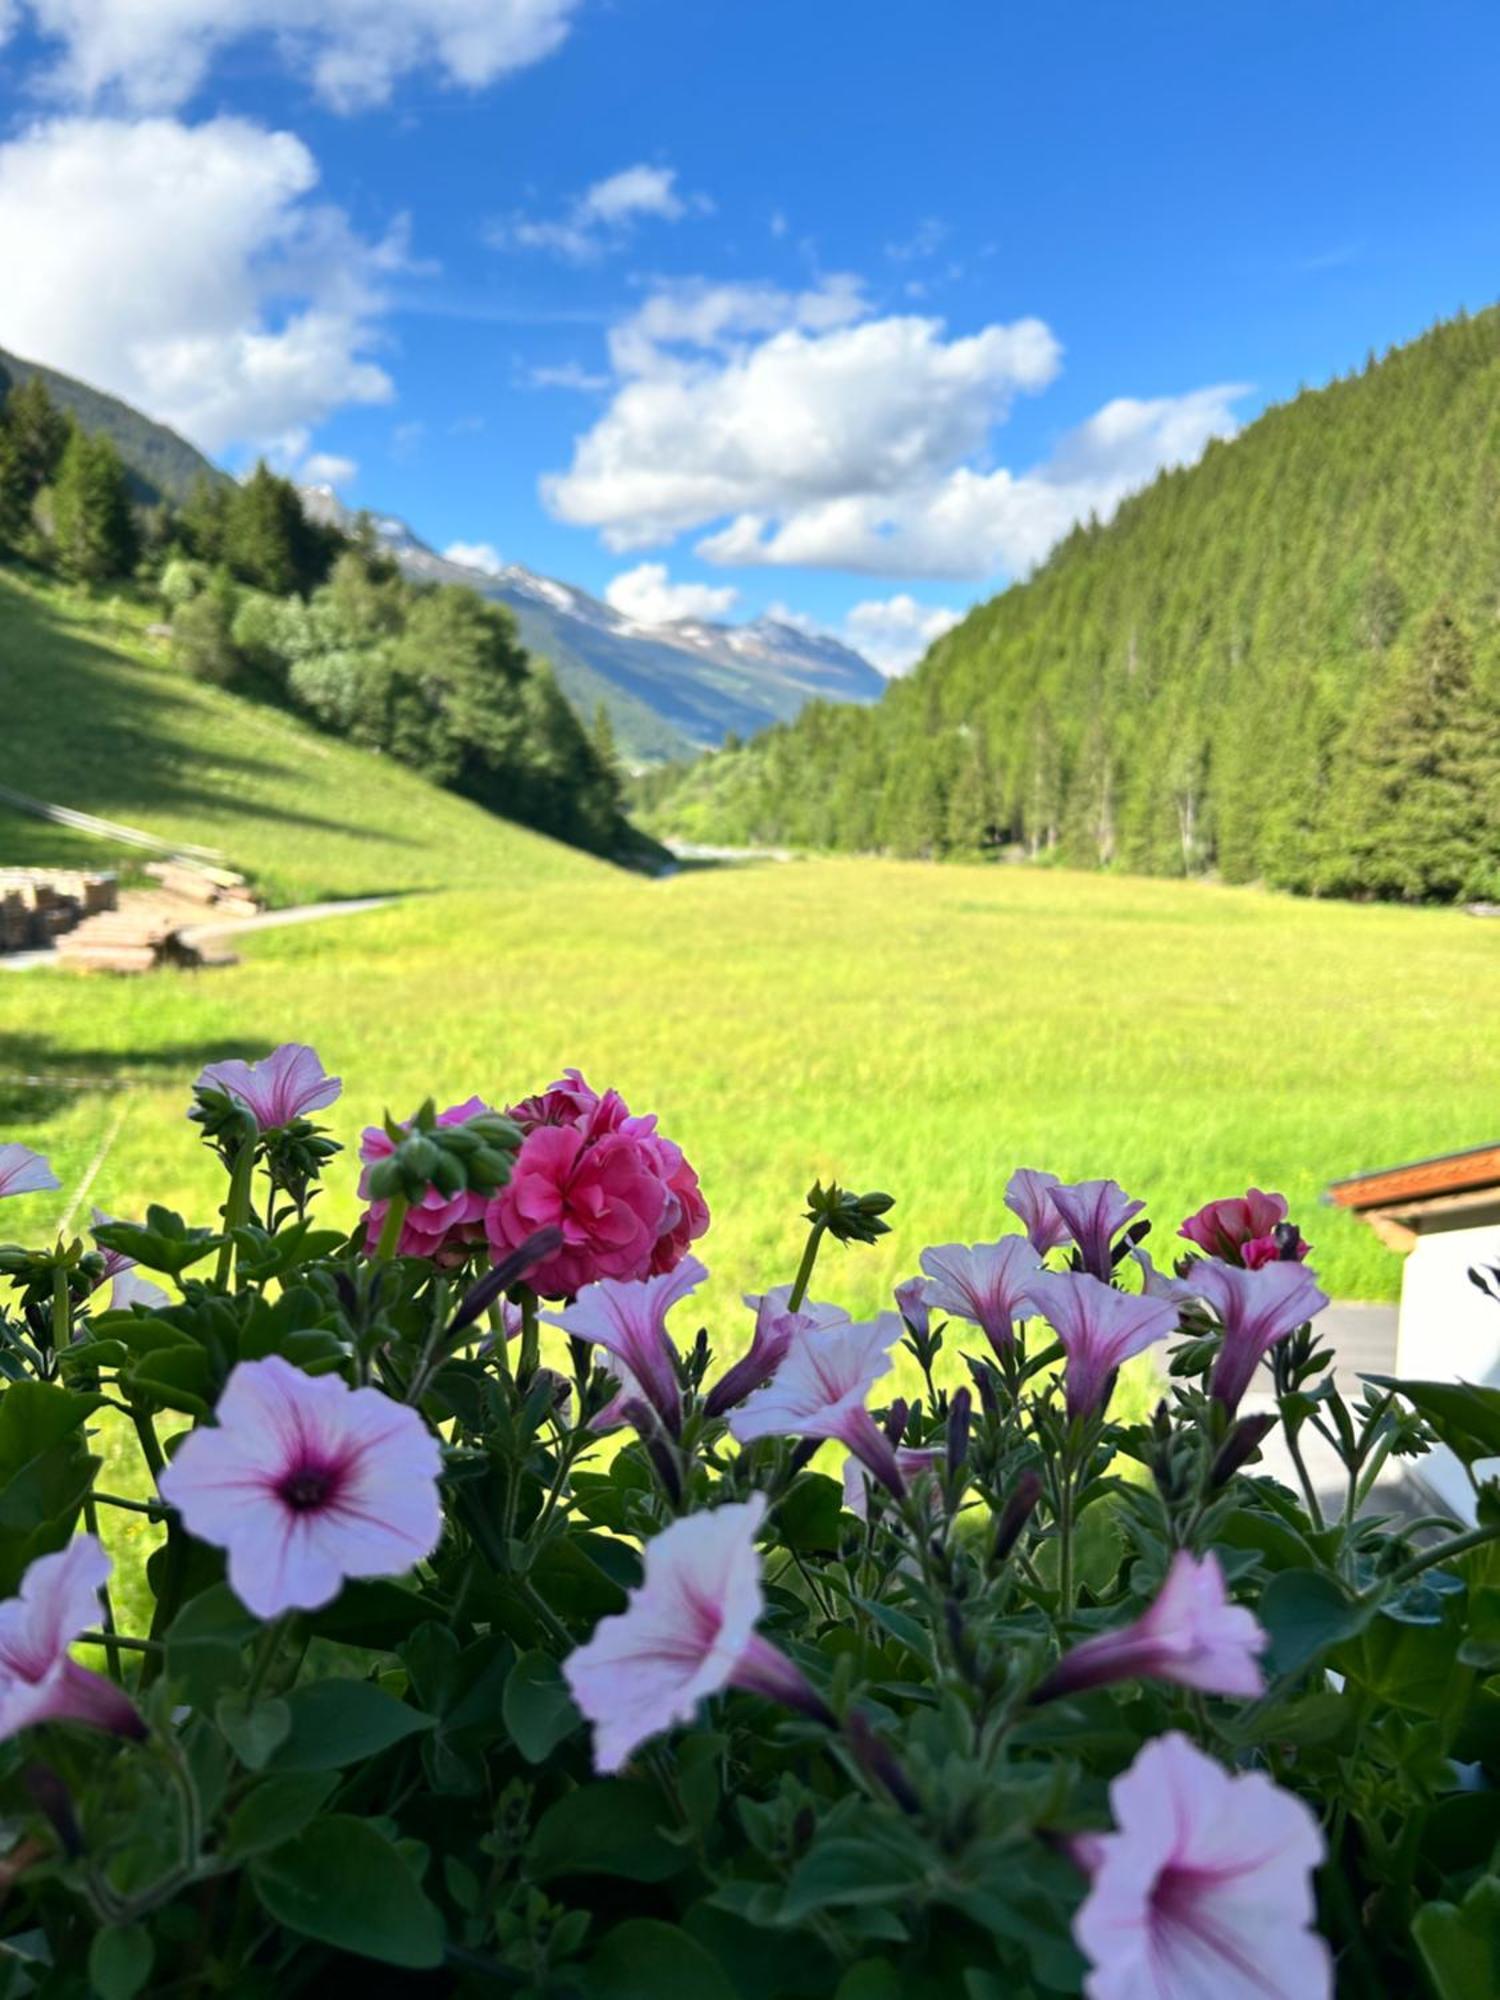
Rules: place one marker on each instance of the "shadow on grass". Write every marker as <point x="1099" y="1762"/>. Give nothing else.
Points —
<point x="82" y="727"/>
<point x="39" y="1076"/>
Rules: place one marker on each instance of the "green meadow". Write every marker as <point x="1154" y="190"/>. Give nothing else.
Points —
<point x="918" y="1029"/>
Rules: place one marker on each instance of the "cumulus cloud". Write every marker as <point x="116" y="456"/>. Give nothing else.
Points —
<point x="327" y="468"/>
<point x="475" y="555"/>
<point x="707" y="423"/>
<point x="153" y="55"/>
<point x="894" y="632"/>
<point x="646" y="595"/>
<point x="187" y="269"/>
<point x="603" y="217"/>
<point x="973" y="524"/>
<point x="804" y="428"/>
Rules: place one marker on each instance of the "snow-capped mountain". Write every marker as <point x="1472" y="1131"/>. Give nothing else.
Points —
<point x="669" y="689"/>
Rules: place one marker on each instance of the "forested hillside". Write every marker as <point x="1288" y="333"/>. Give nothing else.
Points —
<point x="160" y="465"/>
<point x="1280" y="664"/>
<point x="293" y="613"/>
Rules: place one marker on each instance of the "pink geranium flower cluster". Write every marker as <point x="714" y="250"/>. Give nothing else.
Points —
<point x="441" y="1226"/>
<point x="626" y="1200"/>
<point x="1241" y="1229"/>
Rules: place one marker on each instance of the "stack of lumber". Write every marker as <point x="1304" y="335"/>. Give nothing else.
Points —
<point x="218" y="889"/>
<point x="38" y="905"/>
<point x="145" y="932"/>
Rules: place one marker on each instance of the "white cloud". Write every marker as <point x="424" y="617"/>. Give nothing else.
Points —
<point x="153" y="55"/>
<point x="894" y="632"/>
<point x="567" y="375"/>
<point x="972" y="524"/>
<point x="707" y="424"/>
<point x="802" y="428"/>
<point x="188" y="269"/>
<point x="475" y="555"/>
<point x="326" y="468"/>
<point x="645" y="595"/>
<point x="603" y="216"/>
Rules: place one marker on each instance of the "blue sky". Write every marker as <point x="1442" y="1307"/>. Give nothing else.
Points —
<point x="848" y="309"/>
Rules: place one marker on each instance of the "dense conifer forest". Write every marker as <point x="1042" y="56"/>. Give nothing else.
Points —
<point x="1281" y="664"/>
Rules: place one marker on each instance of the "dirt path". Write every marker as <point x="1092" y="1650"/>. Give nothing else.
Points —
<point x="219" y="929"/>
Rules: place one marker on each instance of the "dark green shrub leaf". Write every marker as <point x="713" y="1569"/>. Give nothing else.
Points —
<point x="205" y="1641"/>
<point x="808" y="1518"/>
<point x="1306" y="1610"/>
<point x="120" y="1962"/>
<point x="275" y="1812"/>
<point x="537" y="1707"/>
<point x="163" y="1242"/>
<point x="343" y="1883"/>
<point x="338" y="1722"/>
<point x="253" y="1733"/>
<point x="1460" y="1943"/>
<point x="646" y="1960"/>
<point x="848" y="1872"/>
<point x="1465" y="1416"/>
<point x="610" y="1827"/>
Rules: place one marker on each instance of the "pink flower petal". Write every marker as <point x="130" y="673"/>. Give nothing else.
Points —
<point x="24" y="1172"/>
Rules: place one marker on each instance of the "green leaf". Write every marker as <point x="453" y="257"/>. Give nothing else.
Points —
<point x="1306" y="1610"/>
<point x="647" y="1960"/>
<point x="808" y="1518"/>
<point x="179" y="1377"/>
<point x="253" y="1733"/>
<point x="34" y="1416"/>
<point x="537" y="1707"/>
<point x="847" y="1871"/>
<point x="343" y="1883"/>
<point x="610" y="1827"/>
<point x="204" y="1643"/>
<point x="1481" y="1646"/>
<point x="275" y="1812"/>
<point x="338" y="1722"/>
<point x="871" y="1979"/>
<point x="120" y="1962"/>
<point x="163" y="1242"/>
<point x="1465" y="1416"/>
<point x="373" y="1612"/>
<point x="1460" y="1943"/>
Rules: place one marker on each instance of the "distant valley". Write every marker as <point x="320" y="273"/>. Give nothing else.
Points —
<point x="669" y="690"/>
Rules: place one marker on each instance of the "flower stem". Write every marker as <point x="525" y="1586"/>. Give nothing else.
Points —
<point x="270" y="1645"/>
<point x="805" y="1269"/>
<point x="1459" y="1545"/>
<point x="531" y="1337"/>
<point x="62" y="1310"/>
<point x="236" y="1207"/>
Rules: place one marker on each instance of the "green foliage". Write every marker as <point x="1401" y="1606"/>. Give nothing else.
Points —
<point x="1281" y="664"/>
<point x="398" y="1781"/>
<point x="160" y="464"/>
<point x="93" y="533"/>
<point x="267" y="539"/>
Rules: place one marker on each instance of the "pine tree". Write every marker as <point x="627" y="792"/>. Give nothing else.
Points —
<point x="1422" y="778"/>
<point x="93" y="530"/>
<point x="268" y="541"/>
<point x="33" y="437"/>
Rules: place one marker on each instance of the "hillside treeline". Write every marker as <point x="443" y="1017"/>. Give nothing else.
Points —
<point x="279" y="608"/>
<point x="1282" y="664"/>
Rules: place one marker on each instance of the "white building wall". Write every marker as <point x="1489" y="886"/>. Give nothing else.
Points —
<point x="1450" y="1331"/>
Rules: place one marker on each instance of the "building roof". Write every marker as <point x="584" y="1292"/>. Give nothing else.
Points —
<point x="1397" y="1201"/>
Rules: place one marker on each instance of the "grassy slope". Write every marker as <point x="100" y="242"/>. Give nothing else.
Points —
<point x="97" y="719"/>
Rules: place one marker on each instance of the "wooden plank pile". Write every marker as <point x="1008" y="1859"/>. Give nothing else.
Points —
<point x="148" y="928"/>
<point x="39" y="905"/>
<point x="218" y="889"/>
